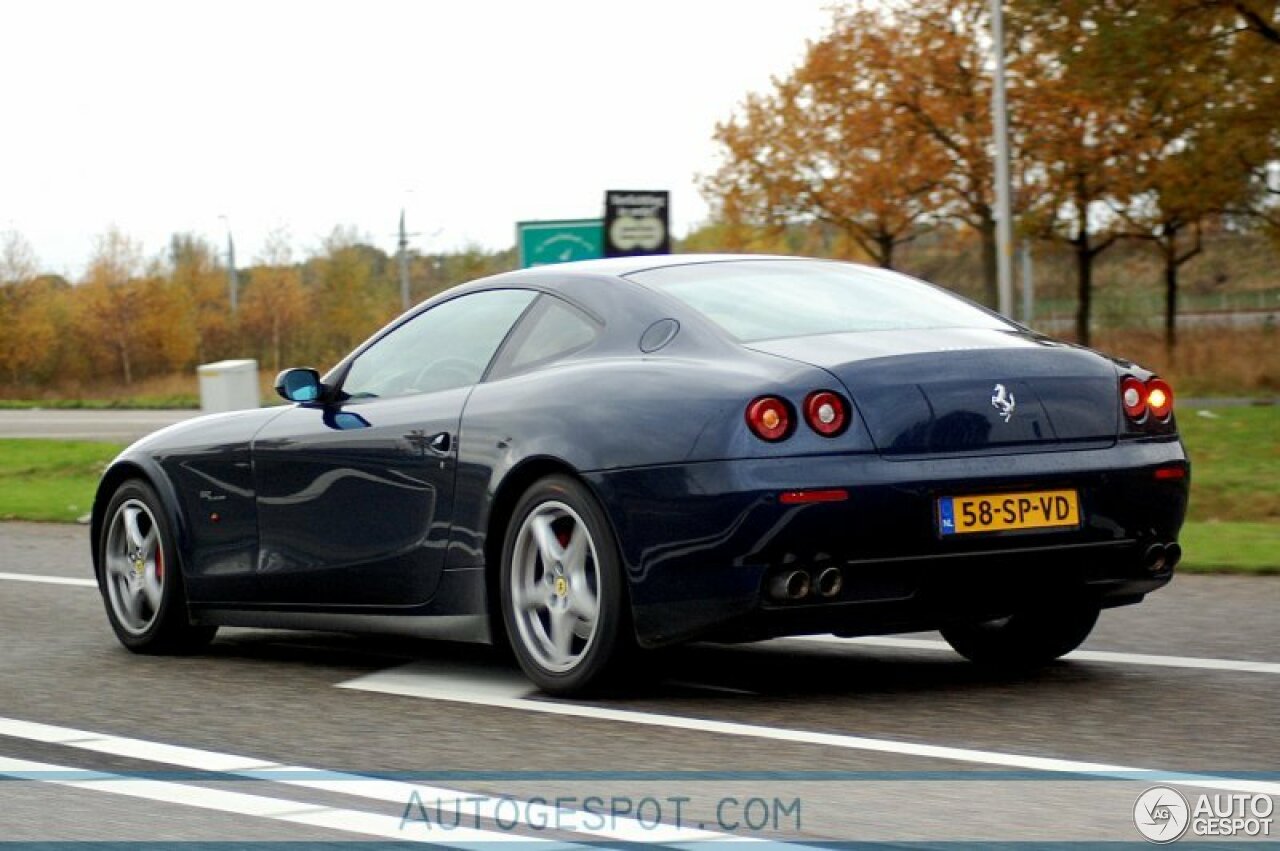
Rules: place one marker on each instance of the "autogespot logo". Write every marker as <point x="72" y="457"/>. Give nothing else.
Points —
<point x="1161" y="814"/>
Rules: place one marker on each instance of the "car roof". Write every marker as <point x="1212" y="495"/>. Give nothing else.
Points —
<point x="623" y="266"/>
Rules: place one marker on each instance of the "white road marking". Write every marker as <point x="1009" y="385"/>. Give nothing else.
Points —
<point x="1105" y="656"/>
<point x="49" y="580"/>
<point x="435" y="681"/>
<point x="258" y="806"/>
<point x="467" y="804"/>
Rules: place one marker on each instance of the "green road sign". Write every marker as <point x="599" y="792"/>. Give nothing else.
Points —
<point x="543" y="243"/>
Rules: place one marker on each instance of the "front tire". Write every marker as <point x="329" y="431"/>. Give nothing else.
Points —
<point x="562" y="588"/>
<point x="1027" y="639"/>
<point x="139" y="577"/>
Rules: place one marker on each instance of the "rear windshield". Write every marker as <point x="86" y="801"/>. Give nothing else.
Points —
<point x="757" y="300"/>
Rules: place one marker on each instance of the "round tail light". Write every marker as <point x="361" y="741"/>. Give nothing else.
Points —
<point x="1133" y="395"/>
<point x="770" y="418"/>
<point x="826" y="412"/>
<point x="1159" y="398"/>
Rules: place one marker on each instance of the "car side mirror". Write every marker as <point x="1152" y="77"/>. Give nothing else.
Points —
<point x="300" y="385"/>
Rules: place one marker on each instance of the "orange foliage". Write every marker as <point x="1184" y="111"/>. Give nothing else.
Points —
<point x="275" y="303"/>
<point x="881" y="132"/>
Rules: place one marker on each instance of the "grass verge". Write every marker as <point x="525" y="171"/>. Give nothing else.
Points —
<point x="178" y="391"/>
<point x="50" y="479"/>
<point x="1231" y="548"/>
<point x="1235" y="463"/>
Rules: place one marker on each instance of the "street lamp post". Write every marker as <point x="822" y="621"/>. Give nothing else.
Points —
<point x="233" y="279"/>
<point x="1004" y="217"/>
<point x="403" y="257"/>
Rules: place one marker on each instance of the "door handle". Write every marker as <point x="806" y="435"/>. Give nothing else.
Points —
<point x="440" y="443"/>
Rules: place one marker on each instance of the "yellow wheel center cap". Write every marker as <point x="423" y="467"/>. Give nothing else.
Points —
<point x="562" y="587"/>
<point x="139" y="566"/>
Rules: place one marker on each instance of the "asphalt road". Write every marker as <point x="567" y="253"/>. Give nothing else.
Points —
<point x="108" y="426"/>
<point x="796" y="740"/>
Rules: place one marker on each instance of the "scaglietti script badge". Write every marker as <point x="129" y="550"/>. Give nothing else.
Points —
<point x="1002" y="400"/>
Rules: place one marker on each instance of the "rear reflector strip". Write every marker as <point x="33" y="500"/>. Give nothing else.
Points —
<point x="1171" y="473"/>
<point x="801" y="497"/>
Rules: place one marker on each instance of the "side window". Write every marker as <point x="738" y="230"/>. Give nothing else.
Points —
<point x="552" y="330"/>
<point x="448" y="346"/>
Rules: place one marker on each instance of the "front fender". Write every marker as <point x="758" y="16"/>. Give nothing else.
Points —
<point x="132" y="464"/>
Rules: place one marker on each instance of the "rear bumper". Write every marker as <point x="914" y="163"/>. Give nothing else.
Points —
<point x="700" y="541"/>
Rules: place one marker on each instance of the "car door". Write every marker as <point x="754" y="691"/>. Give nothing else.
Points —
<point x="355" y="498"/>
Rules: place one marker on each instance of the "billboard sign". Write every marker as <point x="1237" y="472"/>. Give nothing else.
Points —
<point x="637" y="222"/>
<point x="544" y="243"/>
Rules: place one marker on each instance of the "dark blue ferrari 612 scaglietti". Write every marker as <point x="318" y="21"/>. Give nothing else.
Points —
<point x="596" y="457"/>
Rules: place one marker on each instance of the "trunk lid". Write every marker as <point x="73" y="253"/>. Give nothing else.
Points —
<point x="961" y="390"/>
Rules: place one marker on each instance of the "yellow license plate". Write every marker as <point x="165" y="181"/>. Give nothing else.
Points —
<point x="999" y="512"/>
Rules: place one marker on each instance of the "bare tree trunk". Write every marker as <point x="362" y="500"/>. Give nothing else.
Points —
<point x="1170" y="296"/>
<point x="885" y="257"/>
<point x="125" y="365"/>
<point x="1084" y="287"/>
<point x="1173" y="261"/>
<point x="990" y="275"/>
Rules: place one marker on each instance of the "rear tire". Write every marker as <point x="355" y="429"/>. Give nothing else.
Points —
<point x="563" y="590"/>
<point x="139" y="576"/>
<point x="1027" y="639"/>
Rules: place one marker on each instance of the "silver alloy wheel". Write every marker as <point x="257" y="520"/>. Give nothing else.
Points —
<point x="135" y="566"/>
<point x="555" y="586"/>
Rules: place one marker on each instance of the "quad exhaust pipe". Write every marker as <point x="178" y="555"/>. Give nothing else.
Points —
<point x="1153" y="558"/>
<point x="830" y="581"/>
<point x="1158" y="557"/>
<point x="789" y="585"/>
<point x="796" y="584"/>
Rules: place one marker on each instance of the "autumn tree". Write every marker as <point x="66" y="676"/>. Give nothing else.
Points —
<point x="1075" y="162"/>
<point x="731" y="230"/>
<point x="166" y="329"/>
<point x="884" y="129"/>
<point x="728" y="232"/>
<point x="1164" y="123"/>
<point x="837" y="143"/>
<point x="468" y="264"/>
<point x="17" y="270"/>
<point x="350" y="293"/>
<point x="17" y="259"/>
<point x="110" y="302"/>
<point x="1186" y="174"/>
<point x="815" y="150"/>
<point x="930" y="61"/>
<point x="28" y="313"/>
<point x="275" y="303"/>
<point x="1255" y="57"/>
<point x="196" y="272"/>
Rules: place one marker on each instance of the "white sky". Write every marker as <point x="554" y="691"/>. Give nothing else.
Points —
<point x="472" y="114"/>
